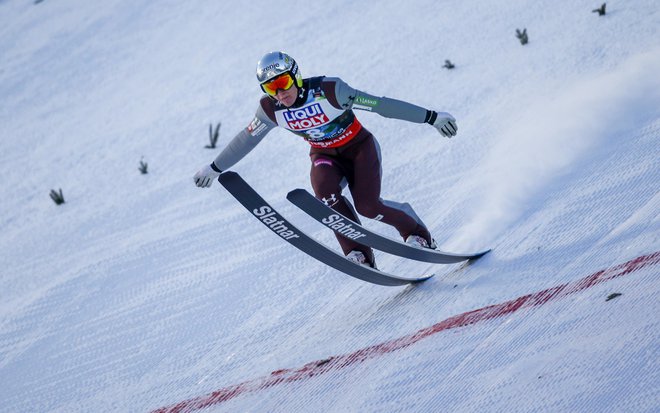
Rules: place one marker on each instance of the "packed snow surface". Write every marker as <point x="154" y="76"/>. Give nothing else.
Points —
<point x="145" y="293"/>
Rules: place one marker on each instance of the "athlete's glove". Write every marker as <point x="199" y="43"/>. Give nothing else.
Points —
<point x="205" y="177"/>
<point x="444" y="123"/>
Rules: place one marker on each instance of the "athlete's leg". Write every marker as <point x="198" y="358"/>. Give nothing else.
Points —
<point x="326" y="177"/>
<point x="366" y="187"/>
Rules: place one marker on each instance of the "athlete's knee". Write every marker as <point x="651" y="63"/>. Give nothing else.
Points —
<point x="325" y="188"/>
<point x="368" y="209"/>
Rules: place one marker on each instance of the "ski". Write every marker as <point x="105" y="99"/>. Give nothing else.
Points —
<point x="344" y="226"/>
<point x="268" y="216"/>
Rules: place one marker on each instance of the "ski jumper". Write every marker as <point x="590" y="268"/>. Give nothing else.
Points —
<point x="342" y="150"/>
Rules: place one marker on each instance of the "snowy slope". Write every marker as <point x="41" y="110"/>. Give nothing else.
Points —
<point x="145" y="293"/>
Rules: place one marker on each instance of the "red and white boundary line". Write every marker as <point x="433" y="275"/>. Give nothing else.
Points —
<point x="333" y="363"/>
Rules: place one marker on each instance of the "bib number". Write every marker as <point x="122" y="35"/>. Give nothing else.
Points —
<point x="315" y="133"/>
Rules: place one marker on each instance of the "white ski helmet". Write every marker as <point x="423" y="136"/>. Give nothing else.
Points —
<point x="274" y="64"/>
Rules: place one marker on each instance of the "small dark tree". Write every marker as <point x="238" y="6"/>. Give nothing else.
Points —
<point x="600" y="10"/>
<point x="522" y="36"/>
<point x="143" y="166"/>
<point x="213" y="135"/>
<point x="57" y="197"/>
<point x="448" y="64"/>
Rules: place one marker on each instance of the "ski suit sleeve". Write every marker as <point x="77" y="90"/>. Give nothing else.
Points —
<point x="350" y="98"/>
<point x="246" y="140"/>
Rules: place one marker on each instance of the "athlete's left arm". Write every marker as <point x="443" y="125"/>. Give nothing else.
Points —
<point x="350" y="98"/>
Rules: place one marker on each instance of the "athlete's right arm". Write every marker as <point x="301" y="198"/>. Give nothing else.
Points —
<point x="244" y="141"/>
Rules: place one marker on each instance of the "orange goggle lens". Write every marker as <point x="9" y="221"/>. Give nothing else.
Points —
<point x="283" y="82"/>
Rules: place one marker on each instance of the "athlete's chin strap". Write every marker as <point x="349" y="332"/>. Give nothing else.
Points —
<point x="300" y="100"/>
<point x="301" y="97"/>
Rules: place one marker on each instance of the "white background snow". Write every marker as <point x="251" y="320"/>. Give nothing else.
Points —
<point x="143" y="291"/>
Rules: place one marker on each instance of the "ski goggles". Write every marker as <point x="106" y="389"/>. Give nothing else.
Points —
<point x="283" y="81"/>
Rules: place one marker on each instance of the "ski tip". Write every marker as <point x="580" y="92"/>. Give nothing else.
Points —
<point x="227" y="175"/>
<point x="422" y="279"/>
<point x="294" y="192"/>
<point x="479" y="255"/>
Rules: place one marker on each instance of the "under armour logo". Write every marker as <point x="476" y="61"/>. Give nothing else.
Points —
<point x="330" y="201"/>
